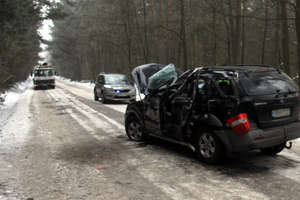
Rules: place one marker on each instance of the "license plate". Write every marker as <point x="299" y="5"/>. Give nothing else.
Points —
<point x="281" y="112"/>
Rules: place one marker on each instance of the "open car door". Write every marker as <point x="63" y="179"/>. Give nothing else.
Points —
<point x="150" y="79"/>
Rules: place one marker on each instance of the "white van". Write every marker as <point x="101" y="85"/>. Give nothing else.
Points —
<point x="43" y="77"/>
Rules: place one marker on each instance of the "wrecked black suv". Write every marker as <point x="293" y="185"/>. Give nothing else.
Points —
<point x="214" y="110"/>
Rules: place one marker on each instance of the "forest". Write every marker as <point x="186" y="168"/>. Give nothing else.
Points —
<point x="20" y="41"/>
<point x="93" y="36"/>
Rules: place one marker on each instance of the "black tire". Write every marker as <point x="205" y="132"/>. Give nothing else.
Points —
<point x="134" y="129"/>
<point x="272" y="151"/>
<point x="209" y="148"/>
<point x="103" y="100"/>
<point x="96" y="98"/>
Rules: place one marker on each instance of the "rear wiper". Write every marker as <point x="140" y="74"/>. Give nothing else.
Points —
<point x="288" y="92"/>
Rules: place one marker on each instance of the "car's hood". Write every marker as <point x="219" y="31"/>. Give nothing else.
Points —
<point x="142" y="73"/>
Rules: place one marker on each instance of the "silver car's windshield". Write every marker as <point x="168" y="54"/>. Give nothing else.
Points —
<point x="116" y="80"/>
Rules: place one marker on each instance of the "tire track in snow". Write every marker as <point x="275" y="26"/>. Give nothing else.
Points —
<point x="86" y="120"/>
<point x="89" y="112"/>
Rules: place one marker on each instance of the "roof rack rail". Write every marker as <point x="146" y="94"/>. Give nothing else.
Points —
<point x="216" y="68"/>
<point x="255" y="65"/>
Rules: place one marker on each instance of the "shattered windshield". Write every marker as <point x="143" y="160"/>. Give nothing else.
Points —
<point x="43" y="72"/>
<point x="116" y="80"/>
<point x="264" y="83"/>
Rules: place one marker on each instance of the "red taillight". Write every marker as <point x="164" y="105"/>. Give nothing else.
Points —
<point x="240" y="123"/>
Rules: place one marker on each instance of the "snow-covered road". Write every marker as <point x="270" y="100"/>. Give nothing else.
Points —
<point x="61" y="144"/>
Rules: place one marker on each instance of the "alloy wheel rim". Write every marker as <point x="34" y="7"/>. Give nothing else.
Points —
<point x="135" y="131"/>
<point x="207" y="145"/>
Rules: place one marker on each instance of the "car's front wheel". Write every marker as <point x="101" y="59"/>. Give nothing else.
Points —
<point x="209" y="148"/>
<point x="272" y="151"/>
<point x="134" y="129"/>
<point x="103" y="99"/>
<point x="96" y="98"/>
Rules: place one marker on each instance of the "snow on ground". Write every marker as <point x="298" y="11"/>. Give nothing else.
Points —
<point x="12" y="96"/>
<point x="86" y="83"/>
<point x="14" y="112"/>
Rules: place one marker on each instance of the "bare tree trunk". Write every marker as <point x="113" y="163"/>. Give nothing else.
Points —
<point x="214" y="35"/>
<point x="266" y="4"/>
<point x="166" y="24"/>
<point x="228" y="43"/>
<point x="237" y="33"/>
<point x="183" y="34"/>
<point x="146" y="47"/>
<point x="297" y="22"/>
<point x="155" y="20"/>
<point x="285" y="37"/>
<point x="127" y="29"/>
<point x="231" y="31"/>
<point x="243" y="47"/>
<point x="277" y="59"/>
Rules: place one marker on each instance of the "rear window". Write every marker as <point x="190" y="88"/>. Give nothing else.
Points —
<point x="264" y="83"/>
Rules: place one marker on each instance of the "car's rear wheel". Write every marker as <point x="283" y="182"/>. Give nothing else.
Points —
<point x="209" y="148"/>
<point x="134" y="129"/>
<point x="272" y="151"/>
<point x="96" y="98"/>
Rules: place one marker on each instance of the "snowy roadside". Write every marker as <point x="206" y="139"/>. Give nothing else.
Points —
<point x="10" y="107"/>
<point x="10" y="97"/>
<point x="85" y="83"/>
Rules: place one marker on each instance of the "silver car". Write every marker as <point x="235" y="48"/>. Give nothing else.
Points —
<point x="113" y="87"/>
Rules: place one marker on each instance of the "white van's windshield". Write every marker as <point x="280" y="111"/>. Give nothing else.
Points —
<point x="43" y="72"/>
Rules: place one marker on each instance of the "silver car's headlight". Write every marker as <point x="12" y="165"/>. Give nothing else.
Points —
<point x="107" y="86"/>
<point x="109" y="89"/>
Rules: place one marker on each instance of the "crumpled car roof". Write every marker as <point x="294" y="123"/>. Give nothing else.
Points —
<point x="142" y="73"/>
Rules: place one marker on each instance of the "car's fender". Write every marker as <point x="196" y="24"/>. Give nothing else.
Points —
<point x="134" y="109"/>
<point x="210" y="120"/>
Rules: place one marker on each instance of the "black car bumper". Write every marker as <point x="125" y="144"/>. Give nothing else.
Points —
<point x="259" y="138"/>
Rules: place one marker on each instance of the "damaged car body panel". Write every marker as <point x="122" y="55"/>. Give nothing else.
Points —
<point x="216" y="109"/>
